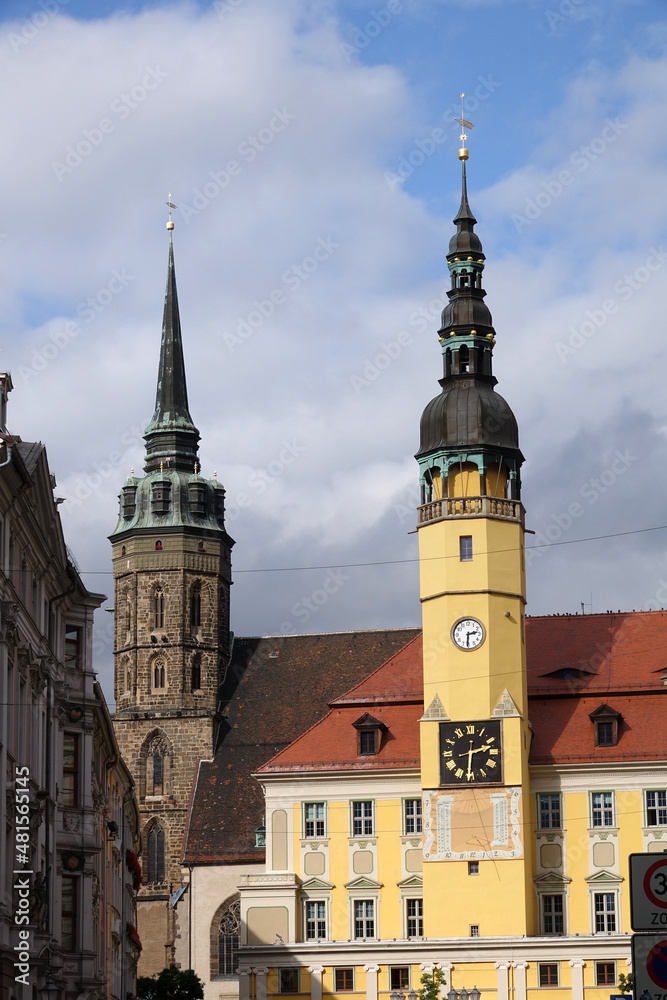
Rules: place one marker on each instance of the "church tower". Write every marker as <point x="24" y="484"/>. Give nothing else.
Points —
<point x="172" y="577"/>
<point x="475" y="734"/>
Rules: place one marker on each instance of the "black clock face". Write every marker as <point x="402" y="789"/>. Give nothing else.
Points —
<point x="471" y="753"/>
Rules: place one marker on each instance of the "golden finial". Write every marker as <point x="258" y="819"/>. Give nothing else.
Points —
<point x="215" y="476"/>
<point x="463" y="152"/>
<point x="132" y="472"/>
<point x="161" y="467"/>
<point x="170" y="224"/>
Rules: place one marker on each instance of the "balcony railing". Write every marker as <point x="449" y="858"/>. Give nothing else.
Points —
<point x="450" y="507"/>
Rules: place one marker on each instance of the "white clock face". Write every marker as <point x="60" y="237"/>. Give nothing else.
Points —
<point x="468" y="633"/>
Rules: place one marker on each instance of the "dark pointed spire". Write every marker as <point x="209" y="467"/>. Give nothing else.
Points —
<point x="465" y="239"/>
<point x="171" y="437"/>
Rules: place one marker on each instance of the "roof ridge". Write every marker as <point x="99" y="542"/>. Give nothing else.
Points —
<point x="350" y="631"/>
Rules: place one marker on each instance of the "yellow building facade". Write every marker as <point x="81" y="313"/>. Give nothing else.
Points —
<point x="471" y="805"/>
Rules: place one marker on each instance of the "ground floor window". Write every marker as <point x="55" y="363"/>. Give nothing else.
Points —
<point x="605" y="973"/>
<point x="288" y="980"/>
<point x="399" y="977"/>
<point x="548" y="973"/>
<point x="228" y="940"/>
<point x="344" y="980"/>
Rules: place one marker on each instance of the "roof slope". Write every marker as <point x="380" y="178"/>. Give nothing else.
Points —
<point x="275" y="688"/>
<point x="395" y="691"/>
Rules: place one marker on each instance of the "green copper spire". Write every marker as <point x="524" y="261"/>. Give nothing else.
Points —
<point x="171" y="437"/>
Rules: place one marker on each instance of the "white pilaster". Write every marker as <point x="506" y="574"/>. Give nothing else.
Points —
<point x="244" y="984"/>
<point x="577" y="979"/>
<point x="520" y="980"/>
<point x="503" y="980"/>
<point x="372" y="981"/>
<point x="316" y="981"/>
<point x="260" y="982"/>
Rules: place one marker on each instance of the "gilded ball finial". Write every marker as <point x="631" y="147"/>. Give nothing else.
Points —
<point x="170" y="224"/>
<point x="463" y="152"/>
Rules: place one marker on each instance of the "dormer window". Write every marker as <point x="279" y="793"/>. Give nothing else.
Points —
<point x="606" y="721"/>
<point x="369" y="735"/>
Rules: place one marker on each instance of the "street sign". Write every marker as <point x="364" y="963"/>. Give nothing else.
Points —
<point x="648" y="892"/>
<point x="649" y="965"/>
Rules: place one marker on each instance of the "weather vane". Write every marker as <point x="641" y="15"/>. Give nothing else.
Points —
<point x="170" y="224"/>
<point x="463" y="152"/>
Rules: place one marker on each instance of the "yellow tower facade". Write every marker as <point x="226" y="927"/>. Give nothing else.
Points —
<point x="475" y="735"/>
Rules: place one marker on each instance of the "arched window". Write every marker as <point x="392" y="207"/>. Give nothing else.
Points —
<point x="158" y="766"/>
<point x="128" y="613"/>
<point x="464" y="359"/>
<point x="229" y="931"/>
<point x="195" y="606"/>
<point x="158" y="673"/>
<point x="158" y="608"/>
<point x="156" y="854"/>
<point x="195" y="679"/>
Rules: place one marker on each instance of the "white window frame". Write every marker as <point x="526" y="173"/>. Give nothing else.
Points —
<point x="315" y="835"/>
<point x="543" y="896"/>
<point x="417" y="917"/>
<point x="365" y="818"/>
<point x="657" y="808"/>
<point x="613" y="893"/>
<point x="538" y="811"/>
<point x="319" y="922"/>
<point x="365" y="901"/>
<point x="416" y="819"/>
<point x="603" y="809"/>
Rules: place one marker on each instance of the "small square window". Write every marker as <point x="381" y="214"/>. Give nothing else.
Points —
<point x="605" y="973"/>
<point x="344" y="980"/>
<point x="548" y="972"/>
<point x="465" y="547"/>
<point x="399" y="977"/>
<point x="474" y="930"/>
<point x="473" y="868"/>
<point x="288" y="980"/>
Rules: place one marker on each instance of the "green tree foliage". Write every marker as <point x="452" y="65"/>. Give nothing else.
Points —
<point x="431" y="983"/>
<point x="625" y="983"/>
<point x="171" y="984"/>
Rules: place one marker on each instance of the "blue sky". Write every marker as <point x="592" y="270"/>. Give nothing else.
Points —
<point x="567" y="175"/>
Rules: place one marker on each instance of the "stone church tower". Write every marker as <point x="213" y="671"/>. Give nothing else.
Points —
<point x="172" y="576"/>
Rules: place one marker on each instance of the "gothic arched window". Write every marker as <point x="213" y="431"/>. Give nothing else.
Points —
<point x="158" y="608"/>
<point x="156" y="854"/>
<point x="229" y="931"/>
<point x="158" y="673"/>
<point x="158" y="771"/>
<point x="195" y="679"/>
<point x="195" y="606"/>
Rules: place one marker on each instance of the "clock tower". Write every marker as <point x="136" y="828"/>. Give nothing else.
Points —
<point x="475" y="734"/>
